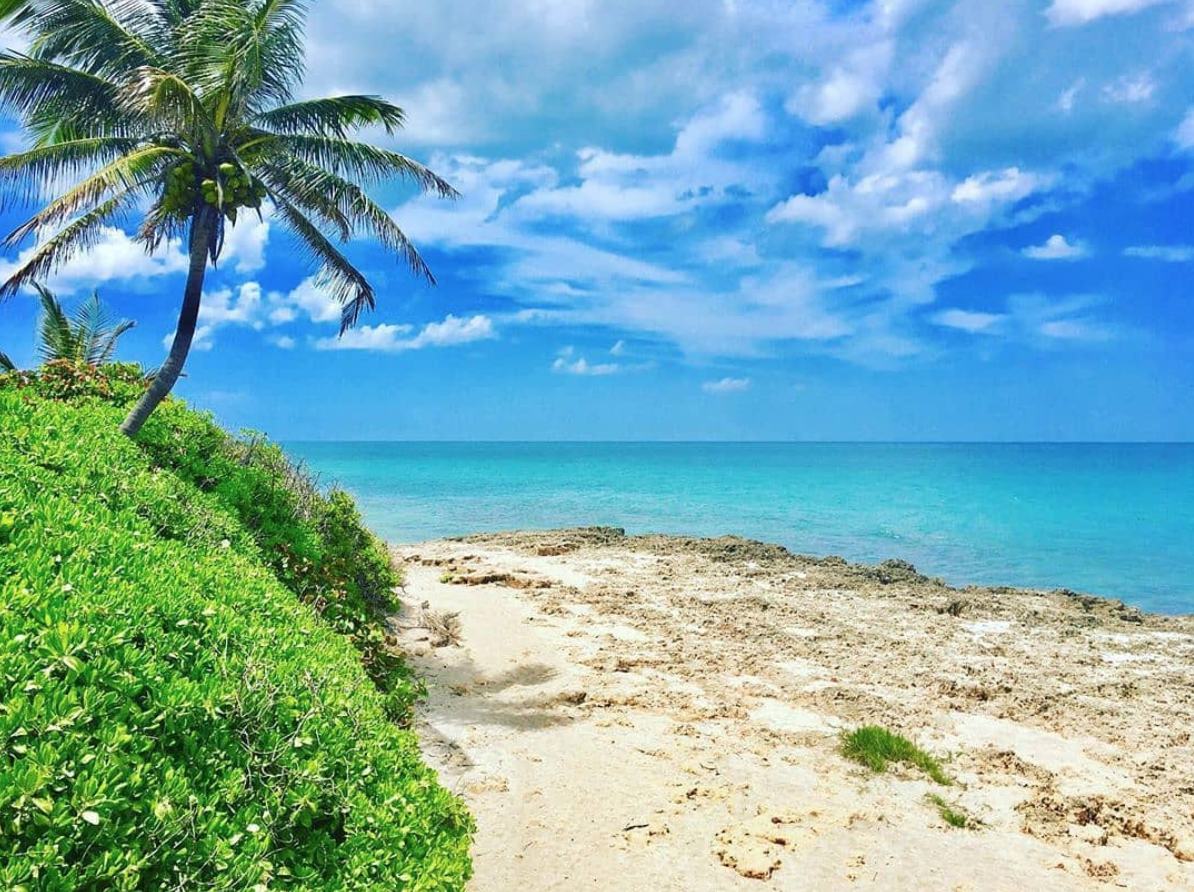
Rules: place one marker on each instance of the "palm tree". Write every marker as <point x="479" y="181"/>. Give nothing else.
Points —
<point x="87" y="338"/>
<point x="184" y="111"/>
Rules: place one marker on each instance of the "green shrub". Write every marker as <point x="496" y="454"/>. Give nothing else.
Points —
<point x="316" y="545"/>
<point x="118" y="383"/>
<point x="173" y="716"/>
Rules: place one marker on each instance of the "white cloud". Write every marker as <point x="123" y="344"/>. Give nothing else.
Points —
<point x="726" y="385"/>
<point x="307" y="299"/>
<point x="1079" y="12"/>
<point x="1184" y="135"/>
<point x="969" y="321"/>
<point x="1130" y="89"/>
<point x="1167" y="253"/>
<point x="245" y="243"/>
<point x="225" y="307"/>
<point x="1072" y="330"/>
<point x="385" y="338"/>
<point x="282" y="342"/>
<point x="618" y="348"/>
<point x="1034" y="319"/>
<point x="842" y="96"/>
<point x="913" y="209"/>
<point x="1065" y="101"/>
<point x="1002" y="186"/>
<point x="454" y="331"/>
<point x="1056" y="248"/>
<point x="564" y="364"/>
<point x="1050" y="321"/>
<point x="938" y="122"/>
<point x="115" y="257"/>
<point x="637" y="187"/>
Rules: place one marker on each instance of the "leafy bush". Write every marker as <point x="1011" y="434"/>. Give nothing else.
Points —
<point x="316" y="545"/>
<point x="173" y="716"/>
<point x="119" y="383"/>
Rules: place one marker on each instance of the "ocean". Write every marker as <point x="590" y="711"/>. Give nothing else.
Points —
<point x="1114" y="520"/>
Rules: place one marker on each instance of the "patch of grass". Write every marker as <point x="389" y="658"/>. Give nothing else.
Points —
<point x="875" y="747"/>
<point x="951" y="815"/>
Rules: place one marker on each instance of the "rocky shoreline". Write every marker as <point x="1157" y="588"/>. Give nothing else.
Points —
<point x="1065" y="717"/>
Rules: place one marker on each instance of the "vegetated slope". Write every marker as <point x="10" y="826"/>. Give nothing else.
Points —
<point x="195" y="688"/>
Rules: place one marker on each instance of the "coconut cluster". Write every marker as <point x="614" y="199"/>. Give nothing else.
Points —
<point x="227" y="188"/>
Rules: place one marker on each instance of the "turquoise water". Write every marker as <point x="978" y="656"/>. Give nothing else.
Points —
<point x="1115" y="520"/>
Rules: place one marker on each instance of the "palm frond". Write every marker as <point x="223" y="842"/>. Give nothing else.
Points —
<point x="25" y="174"/>
<point x="104" y="38"/>
<point x="51" y="98"/>
<point x="354" y="207"/>
<point x="106" y="346"/>
<point x="97" y="331"/>
<point x="168" y="103"/>
<point x="6" y="364"/>
<point x="78" y="236"/>
<point x="360" y="161"/>
<point x="310" y="191"/>
<point x="56" y="338"/>
<point x="343" y="281"/>
<point x="335" y="116"/>
<point x="160" y="226"/>
<point x="249" y="54"/>
<point x="129" y="173"/>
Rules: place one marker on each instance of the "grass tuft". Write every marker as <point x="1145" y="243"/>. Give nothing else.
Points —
<point x="876" y="747"/>
<point x="951" y="815"/>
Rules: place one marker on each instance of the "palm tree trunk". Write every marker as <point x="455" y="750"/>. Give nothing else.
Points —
<point x="201" y="235"/>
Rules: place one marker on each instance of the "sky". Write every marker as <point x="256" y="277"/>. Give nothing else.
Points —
<point x="724" y="220"/>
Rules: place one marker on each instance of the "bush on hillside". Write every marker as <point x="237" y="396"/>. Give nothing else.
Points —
<point x="316" y="544"/>
<point x="173" y="716"/>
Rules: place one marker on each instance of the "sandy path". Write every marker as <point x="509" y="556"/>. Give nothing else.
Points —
<point x="664" y="714"/>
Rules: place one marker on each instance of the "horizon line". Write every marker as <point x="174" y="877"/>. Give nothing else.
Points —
<point x="678" y="442"/>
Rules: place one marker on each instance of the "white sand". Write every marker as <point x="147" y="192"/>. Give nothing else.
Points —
<point x="644" y="715"/>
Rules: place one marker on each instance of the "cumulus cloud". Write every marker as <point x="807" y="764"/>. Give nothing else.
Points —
<point x="726" y="385"/>
<point x="1056" y="247"/>
<point x="115" y="257"/>
<point x="387" y="338"/>
<point x="907" y="132"/>
<point x="246" y="242"/>
<point x="454" y="331"/>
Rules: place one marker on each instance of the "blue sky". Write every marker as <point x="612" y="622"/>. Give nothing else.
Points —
<point x="728" y="219"/>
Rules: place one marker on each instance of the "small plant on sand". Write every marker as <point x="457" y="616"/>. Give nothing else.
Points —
<point x="951" y="815"/>
<point x="875" y="747"/>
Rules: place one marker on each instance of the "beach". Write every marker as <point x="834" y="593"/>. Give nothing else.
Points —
<point x="667" y="713"/>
